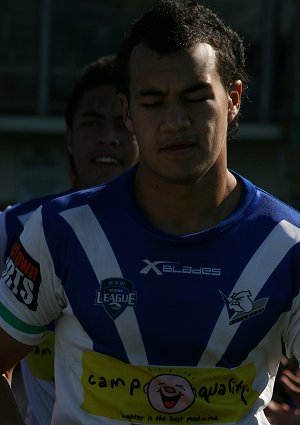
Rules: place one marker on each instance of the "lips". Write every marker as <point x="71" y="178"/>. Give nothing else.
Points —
<point x="179" y="144"/>
<point x="179" y="147"/>
<point x="107" y="160"/>
<point x="170" y="401"/>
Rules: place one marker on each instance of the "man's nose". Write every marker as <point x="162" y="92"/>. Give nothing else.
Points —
<point x="176" y="118"/>
<point x="108" y="136"/>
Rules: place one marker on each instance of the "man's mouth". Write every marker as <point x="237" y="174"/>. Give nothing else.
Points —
<point x="179" y="145"/>
<point x="106" y="160"/>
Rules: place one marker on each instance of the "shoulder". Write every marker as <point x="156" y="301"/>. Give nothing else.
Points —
<point x="21" y="211"/>
<point x="260" y="203"/>
<point x="106" y="195"/>
<point x="278" y="209"/>
<point x="73" y="200"/>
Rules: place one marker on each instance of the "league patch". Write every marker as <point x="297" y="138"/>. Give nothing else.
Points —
<point x="22" y="276"/>
<point x="115" y="295"/>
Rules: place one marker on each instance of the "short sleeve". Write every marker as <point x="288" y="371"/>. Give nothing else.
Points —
<point x="31" y="295"/>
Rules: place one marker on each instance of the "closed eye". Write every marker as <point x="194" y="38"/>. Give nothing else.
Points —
<point x="151" y="104"/>
<point x="151" y="98"/>
<point x="182" y="387"/>
<point x="91" y="123"/>
<point x="197" y="100"/>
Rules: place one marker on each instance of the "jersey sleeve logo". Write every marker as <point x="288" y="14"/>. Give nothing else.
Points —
<point x="22" y="276"/>
<point x="115" y="295"/>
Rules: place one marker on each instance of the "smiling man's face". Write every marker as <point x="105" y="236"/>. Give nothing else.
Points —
<point x="101" y="146"/>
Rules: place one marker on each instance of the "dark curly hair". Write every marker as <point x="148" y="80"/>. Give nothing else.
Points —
<point x="176" y="25"/>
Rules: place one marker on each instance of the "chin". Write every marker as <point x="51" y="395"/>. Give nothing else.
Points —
<point x="106" y="177"/>
<point x="181" y="179"/>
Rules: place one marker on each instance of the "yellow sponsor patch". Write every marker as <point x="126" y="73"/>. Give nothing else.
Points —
<point x="165" y="395"/>
<point x="41" y="359"/>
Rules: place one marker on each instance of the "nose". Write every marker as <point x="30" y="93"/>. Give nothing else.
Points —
<point x="176" y="118"/>
<point x="108" y="136"/>
<point x="170" y="390"/>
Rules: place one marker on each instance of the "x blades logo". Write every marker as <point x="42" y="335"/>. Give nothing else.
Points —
<point x="115" y="295"/>
<point x="163" y="267"/>
<point x="241" y="307"/>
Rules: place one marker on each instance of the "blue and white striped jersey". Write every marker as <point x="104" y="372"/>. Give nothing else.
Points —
<point x="12" y="221"/>
<point x="153" y="328"/>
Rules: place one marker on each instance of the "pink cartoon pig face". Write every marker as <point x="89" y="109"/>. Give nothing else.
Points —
<point x="169" y="393"/>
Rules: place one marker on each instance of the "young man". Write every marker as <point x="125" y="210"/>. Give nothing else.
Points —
<point x="174" y="285"/>
<point x="100" y="148"/>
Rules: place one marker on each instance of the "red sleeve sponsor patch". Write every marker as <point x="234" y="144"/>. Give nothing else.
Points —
<point x="22" y="276"/>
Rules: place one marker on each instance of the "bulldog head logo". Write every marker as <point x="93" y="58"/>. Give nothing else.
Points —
<point x="241" y="302"/>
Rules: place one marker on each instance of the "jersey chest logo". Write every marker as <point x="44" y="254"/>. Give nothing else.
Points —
<point x="116" y="294"/>
<point x="240" y="306"/>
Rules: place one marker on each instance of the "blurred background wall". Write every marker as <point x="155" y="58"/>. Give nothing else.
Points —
<point x="44" y="43"/>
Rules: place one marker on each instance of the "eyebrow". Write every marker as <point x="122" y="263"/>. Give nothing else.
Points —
<point x="156" y="92"/>
<point x="97" y="115"/>
<point x="151" y="92"/>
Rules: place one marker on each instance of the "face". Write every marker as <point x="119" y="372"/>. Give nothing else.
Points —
<point x="179" y="111"/>
<point x="170" y="393"/>
<point x="101" y="146"/>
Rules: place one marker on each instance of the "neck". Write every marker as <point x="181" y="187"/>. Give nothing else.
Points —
<point x="188" y="207"/>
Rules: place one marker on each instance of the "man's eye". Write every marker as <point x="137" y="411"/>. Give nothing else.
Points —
<point x="151" y="104"/>
<point x="90" y="124"/>
<point x="196" y="99"/>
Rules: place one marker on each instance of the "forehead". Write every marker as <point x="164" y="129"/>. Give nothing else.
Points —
<point x="147" y="67"/>
<point x="98" y="99"/>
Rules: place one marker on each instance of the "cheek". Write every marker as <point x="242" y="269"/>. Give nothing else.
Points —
<point x="218" y="118"/>
<point x="128" y="144"/>
<point x="142" y="120"/>
<point x="143" y="137"/>
<point x="81" y="145"/>
<point x="80" y="154"/>
<point x="132" y="153"/>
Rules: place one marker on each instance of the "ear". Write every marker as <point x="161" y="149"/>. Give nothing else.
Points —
<point x="125" y="112"/>
<point x="234" y="99"/>
<point x="68" y="137"/>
